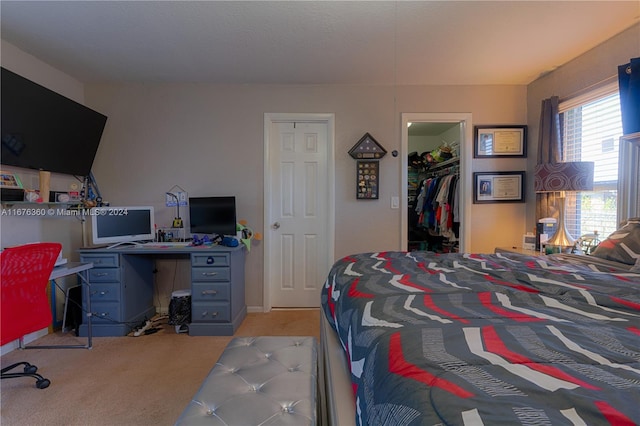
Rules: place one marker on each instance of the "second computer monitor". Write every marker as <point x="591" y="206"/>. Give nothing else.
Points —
<point x="212" y="215"/>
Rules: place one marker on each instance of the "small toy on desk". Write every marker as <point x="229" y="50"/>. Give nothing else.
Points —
<point x="230" y="242"/>
<point x="205" y="240"/>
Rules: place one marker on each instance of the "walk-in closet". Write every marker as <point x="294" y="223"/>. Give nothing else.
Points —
<point x="433" y="187"/>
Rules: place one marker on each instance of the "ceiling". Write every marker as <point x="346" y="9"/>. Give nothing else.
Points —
<point x="312" y="42"/>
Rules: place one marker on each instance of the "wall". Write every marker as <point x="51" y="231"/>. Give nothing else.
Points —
<point x="209" y="140"/>
<point x="591" y="70"/>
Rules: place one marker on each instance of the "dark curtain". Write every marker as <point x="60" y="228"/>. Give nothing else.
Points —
<point x="629" y="85"/>
<point x="549" y="151"/>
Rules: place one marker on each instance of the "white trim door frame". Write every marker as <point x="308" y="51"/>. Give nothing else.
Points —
<point x="327" y="257"/>
<point x="466" y="154"/>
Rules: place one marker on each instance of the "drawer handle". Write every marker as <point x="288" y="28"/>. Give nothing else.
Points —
<point x="101" y="293"/>
<point x="101" y="274"/>
<point x="209" y="274"/>
<point x="213" y="314"/>
<point x="210" y="260"/>
<point x="206" y="292"/>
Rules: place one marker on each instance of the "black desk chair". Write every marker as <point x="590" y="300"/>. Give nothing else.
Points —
<point x="25" y="305"/>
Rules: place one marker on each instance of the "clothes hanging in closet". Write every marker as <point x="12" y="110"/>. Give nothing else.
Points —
<point x="437" y="205"/>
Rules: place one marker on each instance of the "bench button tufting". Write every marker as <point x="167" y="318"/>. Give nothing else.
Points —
<point x="250" y="361"/>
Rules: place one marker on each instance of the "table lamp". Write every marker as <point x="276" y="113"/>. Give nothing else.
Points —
<point x="562" y="177"/>
<point x="177" y="221"/>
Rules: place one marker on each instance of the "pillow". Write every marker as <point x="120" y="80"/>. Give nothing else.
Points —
<point x="622" y="245"/>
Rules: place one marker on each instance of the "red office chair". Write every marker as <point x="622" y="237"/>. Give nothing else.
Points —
<point x="25" y="305"/>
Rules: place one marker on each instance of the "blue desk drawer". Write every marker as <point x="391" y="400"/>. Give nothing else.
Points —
<point x="105" y="292"/>
<point x="101" y="260"/>
<point x="203" y="292"/>
<point x="210" y="312"/>
<point x="103" y="275"/>
<point x="105" y="313"/>
<point x="210" y="274"/>
<point x="210" y="259"/>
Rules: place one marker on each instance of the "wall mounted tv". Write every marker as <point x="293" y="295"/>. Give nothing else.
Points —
<point x="44" y="130"/>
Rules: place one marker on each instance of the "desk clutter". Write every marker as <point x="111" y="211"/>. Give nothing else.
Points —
<point x="244" y="235"/>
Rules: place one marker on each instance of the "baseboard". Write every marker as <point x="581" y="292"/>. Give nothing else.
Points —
<point x="5" y="349"/>
<point x="255" y="309"/>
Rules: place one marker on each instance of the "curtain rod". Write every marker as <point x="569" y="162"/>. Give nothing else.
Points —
<point x="603" y="82"/>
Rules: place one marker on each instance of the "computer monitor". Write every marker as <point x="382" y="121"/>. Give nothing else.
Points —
<point x="117" y="225"/>
<point x="212" y="215"/>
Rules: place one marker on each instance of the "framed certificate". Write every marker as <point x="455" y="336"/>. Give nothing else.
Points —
<point x="498" y="187"/>
<point x="500" y="141"/>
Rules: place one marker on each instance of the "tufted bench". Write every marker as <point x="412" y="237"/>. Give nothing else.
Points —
<point x="267" y="380"/>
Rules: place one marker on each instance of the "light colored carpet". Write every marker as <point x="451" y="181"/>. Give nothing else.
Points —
<point x="146" y="380"/>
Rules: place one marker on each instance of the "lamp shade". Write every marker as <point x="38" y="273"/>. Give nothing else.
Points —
<point x="570" y="176"/>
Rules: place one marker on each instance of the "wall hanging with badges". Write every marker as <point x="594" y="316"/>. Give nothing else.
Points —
<point x="368" y="174"/>
<point x="367" y="151"/>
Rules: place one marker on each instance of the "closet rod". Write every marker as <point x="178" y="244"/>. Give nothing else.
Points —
<point x="445" y="167"/>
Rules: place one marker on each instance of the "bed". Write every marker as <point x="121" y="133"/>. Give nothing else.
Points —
<point x="418" y="338"/>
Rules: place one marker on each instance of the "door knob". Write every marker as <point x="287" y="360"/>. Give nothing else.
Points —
<point x="276" y="225"/>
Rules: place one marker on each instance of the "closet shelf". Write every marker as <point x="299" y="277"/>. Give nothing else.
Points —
<point x="444" y="164"/>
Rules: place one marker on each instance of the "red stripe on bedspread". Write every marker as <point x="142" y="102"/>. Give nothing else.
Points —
<point x="512" y="285"/>
<point x="630" y="304"/>
<point x="494" y="344"/>
<point x="406" y="280"/>
<point x="485" y="299"/>
<point x="399" y="365"/>
<point x="428" y="302"/>
<point x="612" y="415"/>
<point x="422" y="266"/>
<point x="634" y="330"/>
<point x="354" y="292"/>
<point x="332" y="305"/>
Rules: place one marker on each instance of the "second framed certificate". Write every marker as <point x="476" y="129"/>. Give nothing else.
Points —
<point x="500" y="141"/>
<point x="498" y="187"/>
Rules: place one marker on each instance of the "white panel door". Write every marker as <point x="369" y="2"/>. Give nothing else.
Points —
<point x="298" y="228"/>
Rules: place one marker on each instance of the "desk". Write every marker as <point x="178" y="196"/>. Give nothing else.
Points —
<point x="123" y="287"/>
<point x="79" y="269"/>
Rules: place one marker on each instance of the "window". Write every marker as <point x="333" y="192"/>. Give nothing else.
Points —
<point x="591" y="130"/>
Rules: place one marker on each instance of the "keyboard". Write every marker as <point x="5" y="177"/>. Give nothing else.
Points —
<point x="167" y="244"/>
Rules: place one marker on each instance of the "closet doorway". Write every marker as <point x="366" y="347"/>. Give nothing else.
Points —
<point x="433" y="129"/>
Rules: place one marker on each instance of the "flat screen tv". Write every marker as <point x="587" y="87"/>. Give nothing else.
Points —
<point x="118" y="225"/>
<point x="212" y="215"/>
<point x="44" y="130"/>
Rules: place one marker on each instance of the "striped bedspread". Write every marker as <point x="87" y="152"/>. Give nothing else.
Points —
<point x="504" y="339"/>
